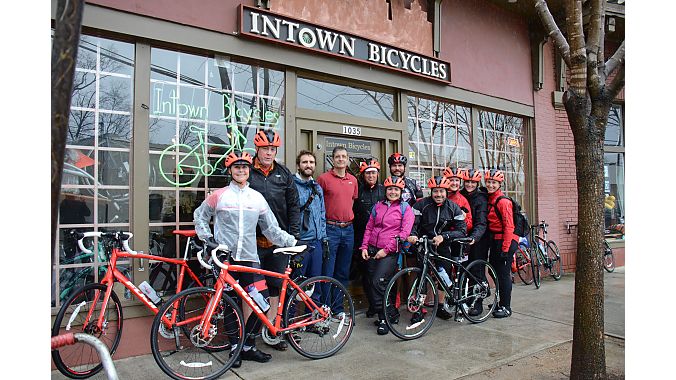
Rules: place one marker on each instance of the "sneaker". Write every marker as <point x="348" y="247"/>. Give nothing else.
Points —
<point x="281" y="346"/>
<point x="382" y="328"/>
<point x="417" y="317"/>
<point x="370" y="313"/>
<point x="255" y="355"/>
<point x="340" y="317"/>
<point x="502" y="312"/>
<point x="476" y="310"/>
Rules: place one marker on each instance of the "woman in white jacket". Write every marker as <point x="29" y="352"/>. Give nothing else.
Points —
<point x="236" y="210"/>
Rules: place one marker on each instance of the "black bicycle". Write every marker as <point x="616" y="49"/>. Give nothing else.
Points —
<point x="410" y="311"/>
<point x="608" y="257"/>
<point x="546" y="252"/>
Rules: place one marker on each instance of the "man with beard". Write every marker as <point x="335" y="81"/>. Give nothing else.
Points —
<point x="312" y="215"/>
<point x="437" y="217"/>
<point x="412" y="192"/>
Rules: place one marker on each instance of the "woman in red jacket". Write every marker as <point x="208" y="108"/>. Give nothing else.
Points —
<point x="503" y="241"/>
<point x="389" y="218"/>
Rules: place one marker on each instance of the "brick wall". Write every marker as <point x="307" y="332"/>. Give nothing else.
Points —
<point x="556" y="190"/>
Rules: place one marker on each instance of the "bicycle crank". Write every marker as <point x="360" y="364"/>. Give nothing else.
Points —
<point x="268" y="338"/>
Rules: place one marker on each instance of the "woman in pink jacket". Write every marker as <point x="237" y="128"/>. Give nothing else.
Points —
<point x="389" y="218"/>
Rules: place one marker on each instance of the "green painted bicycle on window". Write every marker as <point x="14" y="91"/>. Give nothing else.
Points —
<point x="188" y="162"/>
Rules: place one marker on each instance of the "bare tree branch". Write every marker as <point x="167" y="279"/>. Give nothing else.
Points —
<point x="594" y="81"/>
<point x="553" y="30"/>
<point x="617" y="84"/>
<point x="616" y="60"/>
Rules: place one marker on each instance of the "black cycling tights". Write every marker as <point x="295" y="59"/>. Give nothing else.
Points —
<point x="503" y="269"/>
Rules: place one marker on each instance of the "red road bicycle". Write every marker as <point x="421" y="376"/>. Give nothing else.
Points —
<point x="315" y="322"/>
<point x="523" y="264"/>
<point x="90" y="310"/>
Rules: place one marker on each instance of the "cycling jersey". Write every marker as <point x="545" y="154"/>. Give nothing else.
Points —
<point x="461" y="201"/>
<point x="478" y="201"/>
<point x="412" y="192"/>
<point x="501" y="229"/>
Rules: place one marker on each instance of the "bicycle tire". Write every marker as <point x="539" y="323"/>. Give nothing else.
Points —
<point x="412" y="310"/>
<point x="168" y="160"/>
<point x="470" y="291"/>
<point x="326" y="335"/>
<point x="80" y="360"/>
<point x="536" y="267"/>
<point x="608" y="257"/>
<point x="524" y="265"/>
<point x="554" y="259"/>
<point x="183" y="355"/>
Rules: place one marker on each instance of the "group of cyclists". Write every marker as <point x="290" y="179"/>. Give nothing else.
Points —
<point x="338" y="213"/>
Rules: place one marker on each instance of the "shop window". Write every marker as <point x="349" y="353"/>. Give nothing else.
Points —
<point x="201" y="108"/>
<point x="613" y="170"/>
<point x="95" y="181"/>
<point x="439" y="135"/>
<point x="501" y="144"/>
<point x="346" y="100"/>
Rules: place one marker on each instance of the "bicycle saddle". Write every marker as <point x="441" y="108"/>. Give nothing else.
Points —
<point x="291" y="250"/>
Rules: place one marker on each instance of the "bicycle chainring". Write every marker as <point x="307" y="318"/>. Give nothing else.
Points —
<point x="268" y="338"/>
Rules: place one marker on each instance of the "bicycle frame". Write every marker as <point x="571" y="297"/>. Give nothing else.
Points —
<point x="430" y="258"/>
<point x="113" y="274"/>
<point x="276" y="329"/>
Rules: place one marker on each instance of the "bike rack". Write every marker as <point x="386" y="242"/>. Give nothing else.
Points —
<point x="570" y="225"/>
<point x="106" y="360"/>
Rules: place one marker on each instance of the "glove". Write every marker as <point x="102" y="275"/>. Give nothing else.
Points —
<point x="210" y="243"/>
<point x="325" y="250"/>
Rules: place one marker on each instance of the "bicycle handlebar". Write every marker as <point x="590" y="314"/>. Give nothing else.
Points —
<point x="221" y="247"/>
<point x="121" y="236"/>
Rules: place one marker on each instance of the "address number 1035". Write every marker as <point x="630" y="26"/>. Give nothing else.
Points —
<point x="354" y="131"/>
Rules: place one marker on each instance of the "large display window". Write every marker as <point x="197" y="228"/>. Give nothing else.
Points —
<point x="201" y="108"/>
<point x="95" y="189"/>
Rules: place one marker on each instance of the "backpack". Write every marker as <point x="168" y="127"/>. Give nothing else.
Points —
<point x="520" y="219"/>
<point x="402" y="205"/>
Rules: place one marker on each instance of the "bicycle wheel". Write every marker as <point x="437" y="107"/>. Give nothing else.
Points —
<point x="608" y="257"/>
<point x="80" y="360"/>
<point x="324" y="336"/>
<point x="535" y="266"/>
<point x="554" y="260"/>
<point x="483" y="294"/>
<point x="186" y="170"/>
<point x="180" y="349"/>
<point x="523" y="265"/>
<point x="410" y="315"/>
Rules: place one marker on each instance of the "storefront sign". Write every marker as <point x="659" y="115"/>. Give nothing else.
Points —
<point x="265" y="25"/>
<point x="352" y="146"/>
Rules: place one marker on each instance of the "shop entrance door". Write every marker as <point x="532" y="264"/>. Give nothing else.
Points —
<point x="361" y="142"/>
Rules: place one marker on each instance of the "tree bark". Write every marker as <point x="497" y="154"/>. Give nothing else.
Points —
<point x="64" y="56"/>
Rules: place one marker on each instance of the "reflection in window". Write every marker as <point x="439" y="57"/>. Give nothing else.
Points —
<point x="346" y="100"/>
<point x="501" y="145"/>
<point x="614" y="127"/>
<point x="439" y="136"/>
<point x="96" y="173"/>
<point x="201" y="108"/>
<point x="613" y="170"/>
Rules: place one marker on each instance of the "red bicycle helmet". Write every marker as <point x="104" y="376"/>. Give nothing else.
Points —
<point x="396" y="158"/>
<point x="369" y="163"/>
<point x="438" y="181"/>
<point x="238" y="157"/>
<point x="267" y="138"/>
<point x="454" y="172"/>
<point x="472" y="175"/>
<point x="394" y="181"/>
<point x="494" y="174"/>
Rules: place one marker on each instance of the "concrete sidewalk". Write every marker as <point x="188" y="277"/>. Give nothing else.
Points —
<point x="542" y="318"/>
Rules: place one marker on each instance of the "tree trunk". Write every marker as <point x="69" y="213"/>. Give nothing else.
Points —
<point x="588" y="357"/>
<point x="64" y="56"/>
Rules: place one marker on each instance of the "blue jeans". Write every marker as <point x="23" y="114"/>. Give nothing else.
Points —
<point x="312" y="262"/>
<point x="341" y="242"/>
